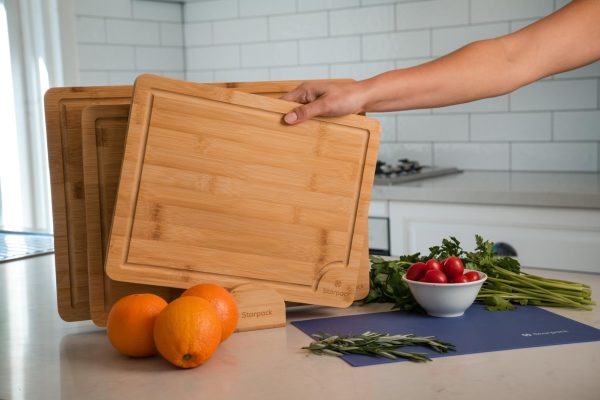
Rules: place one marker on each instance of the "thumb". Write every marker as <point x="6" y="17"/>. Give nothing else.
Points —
<point x="304" y="112"/>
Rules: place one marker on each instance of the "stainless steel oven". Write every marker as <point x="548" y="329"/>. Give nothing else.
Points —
<point x="379" y="236"/>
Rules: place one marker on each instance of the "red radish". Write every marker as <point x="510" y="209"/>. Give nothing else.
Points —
<point x="472" y="276"/>
<point x="416" y="271"/>
<point x="434" y="276"/>
<point x="453" y="267"/>
<point x="460" y="279"/>
<point x="434" y="264"/>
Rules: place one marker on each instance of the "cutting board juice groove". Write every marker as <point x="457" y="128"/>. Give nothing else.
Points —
<point x="175" y="237"/>
<point x="63" y="108"/>
<point x="104" y="128"/>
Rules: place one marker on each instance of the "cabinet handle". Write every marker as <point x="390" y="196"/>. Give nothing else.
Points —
<point x="504" y="250"/>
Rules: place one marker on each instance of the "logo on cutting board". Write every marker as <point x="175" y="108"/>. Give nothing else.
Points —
<point x="338" y="293"/>
<point x="256" y="314"/>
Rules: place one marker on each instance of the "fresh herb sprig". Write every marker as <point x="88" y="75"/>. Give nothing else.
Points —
<point x="377" y="345"/>
<point x="506" y="284"/>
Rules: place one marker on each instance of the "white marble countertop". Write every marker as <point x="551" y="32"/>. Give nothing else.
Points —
<point x="43" y="357"/>
<point x="543" y="189"/>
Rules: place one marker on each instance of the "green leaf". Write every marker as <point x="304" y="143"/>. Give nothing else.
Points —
<point x="497" y="303"/>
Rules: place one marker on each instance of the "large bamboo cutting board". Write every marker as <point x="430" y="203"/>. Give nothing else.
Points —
<point x="104" y="128"/>
<point x="63" y="107"/>
<point x="214" y="187"/>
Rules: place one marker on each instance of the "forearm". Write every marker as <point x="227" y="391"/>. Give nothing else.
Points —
<point x="459" y="77"/>
<point x="562" y="41"/>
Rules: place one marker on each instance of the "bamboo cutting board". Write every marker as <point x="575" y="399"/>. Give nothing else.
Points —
<point x="104" y="128"/>
<point x="184" y="214"/>
<point x="63" y="107"/>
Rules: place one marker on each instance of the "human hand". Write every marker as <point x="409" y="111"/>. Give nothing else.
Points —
<point x="328" y="99"/>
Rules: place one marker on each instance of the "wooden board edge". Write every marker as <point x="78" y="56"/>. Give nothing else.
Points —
<point x="125" y="204"/>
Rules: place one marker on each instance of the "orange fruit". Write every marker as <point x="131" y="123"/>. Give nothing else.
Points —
<point x="223" y="301"/>
<point x="187" y="332"/>
<point x="130" y="324"/>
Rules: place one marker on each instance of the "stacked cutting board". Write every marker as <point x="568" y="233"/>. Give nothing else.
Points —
<point x="167" y="184"/>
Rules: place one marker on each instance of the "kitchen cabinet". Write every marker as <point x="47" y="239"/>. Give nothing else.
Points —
<point x="544" y="237"/>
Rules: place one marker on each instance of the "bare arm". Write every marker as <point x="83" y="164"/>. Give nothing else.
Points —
<point x="565" y="40"/>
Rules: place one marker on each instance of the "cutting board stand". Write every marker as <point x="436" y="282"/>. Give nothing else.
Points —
<point x="259" y="307"/>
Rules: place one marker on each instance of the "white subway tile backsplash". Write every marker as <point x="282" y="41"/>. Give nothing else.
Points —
<point x="518" y="25"/>
<point x="332" y="50"/>
<point x="105" y="57"/>
<point x="301" y="73"/>
<point x="173" y="74"/>
<point x="93" y="78"/>
<point x="266" y="7"/>
<point x="556" y="95"/>
<point x="121" y="31"/>
<point x="412" y="62"/>
<point x="377" y="2"/>
<point x="105" y="8"/>
<point x="213" y="57"/>
<point x="362" y="20"/>
<point x="577" y="125"/>
<point x="91" y="30"/>
<point x="554" y="157"/>
<point x="269" y="54"/>
<point x="553" y="124"/>
<point x="499" y="103"/>
<point x="361" y="71"/>
<point x="445" y="128"/>
<point x="433" y="13"/>
<point x="388" y="46"/>
<point x="122" y="77"/>
<point x="159" y="58"/>
<point x="240" y="30"/>
<point x="421" y="152"/>
<point x="313" y="5"/>
<point x="242" y="75"/>
<point x="157" y="11"/>
<point x="513" y="127"/>
<point x="494" y="10"/>
<point x="300" y="26"/>
<point x="200" y="76"/>
<point x="388" y="126"/>
<point x="449" y="39"/>
<point x="210" y="10"/>
<point x="472" y="156"/>
<point x="589" y="71"/>
<point x="198" y="34"/>
<point x="171" y="34"/>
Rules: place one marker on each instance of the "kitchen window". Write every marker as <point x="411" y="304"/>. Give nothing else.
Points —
<point x="30" y="62"/>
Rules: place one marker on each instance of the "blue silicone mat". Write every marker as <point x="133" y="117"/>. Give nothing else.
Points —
<point x="477" y="331"/>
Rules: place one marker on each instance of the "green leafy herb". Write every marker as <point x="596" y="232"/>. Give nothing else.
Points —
<point x="377" y="345"/>
<point x="506" y="284"/>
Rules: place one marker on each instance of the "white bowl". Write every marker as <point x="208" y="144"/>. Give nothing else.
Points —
<point x="445" y="299"/>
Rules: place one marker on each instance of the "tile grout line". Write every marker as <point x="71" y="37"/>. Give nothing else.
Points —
<point x="183" y="41"/>
<point x="598" y="156"/>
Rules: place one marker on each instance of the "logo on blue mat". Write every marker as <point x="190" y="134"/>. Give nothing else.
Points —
<point x="527" y="334"/>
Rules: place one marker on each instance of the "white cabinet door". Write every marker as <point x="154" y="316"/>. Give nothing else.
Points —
<point x="566" y="239"/>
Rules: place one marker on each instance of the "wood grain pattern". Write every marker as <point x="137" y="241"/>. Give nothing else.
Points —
<point x="63" y="108"/>
<point x="104" y="128"/>
<point x="302" y="188"/>
<point x="259" y="307"/>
